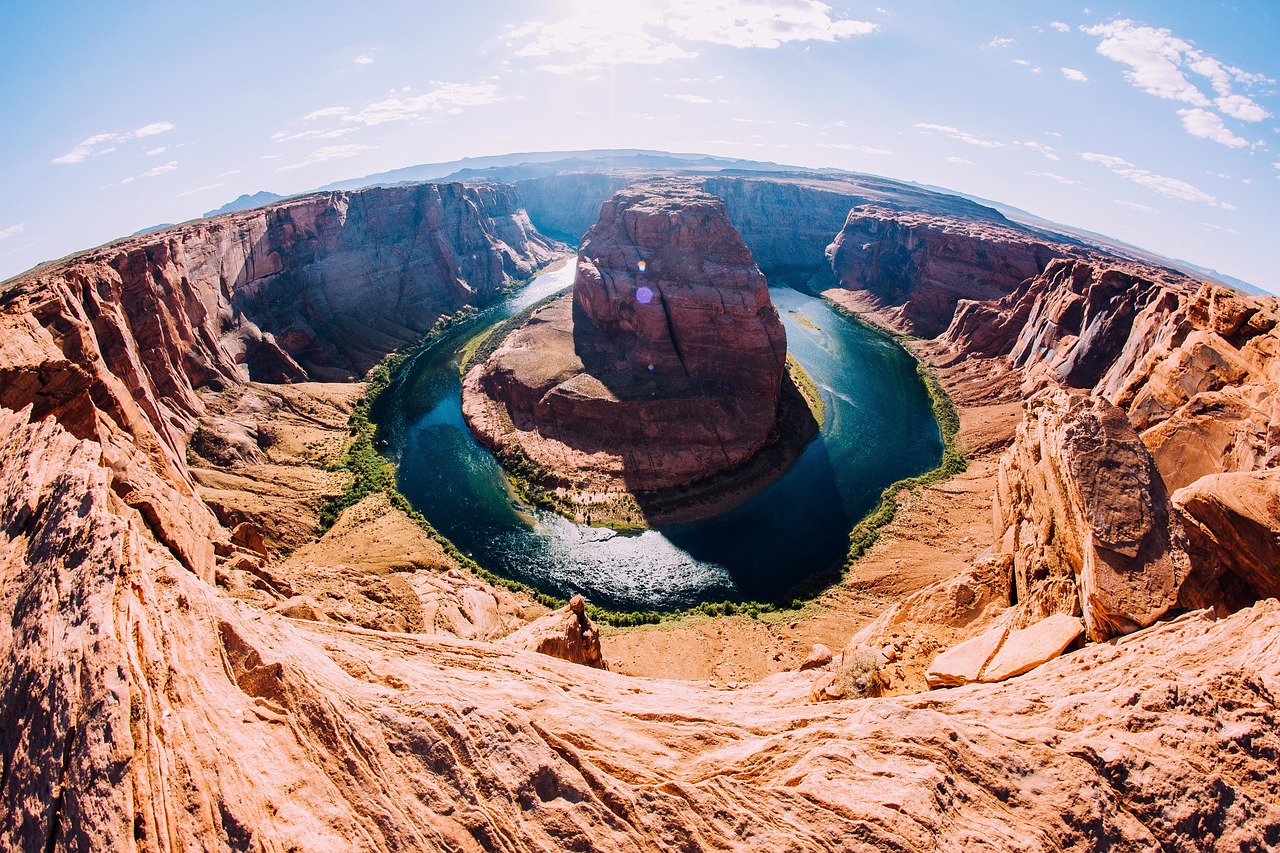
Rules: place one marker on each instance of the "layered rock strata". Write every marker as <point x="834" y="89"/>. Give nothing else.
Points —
<point x="665" y="368"/>
<point x="185" y="715"/>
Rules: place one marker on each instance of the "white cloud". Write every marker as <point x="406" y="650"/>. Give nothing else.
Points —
<point x="868" y="149"/>
<point x="959" y="160"/>
<point x="1060" y="27"/>
<point x="325" y="154"/>
<point x="1206" y="226"/>
<point x="6" y="233"/>
<point x="1074" y="75"/>
<point x="1238" y="106"/>
<point x="999" y="41"/>
<point x="1158" y="64"/>
<point x="1209" y="125"/>
<point x="839" y="146"/>
<point x="447" y="97"/>
<point x="1167" y="187"/>
<point x="364" y="59"/>
<point x="155" y="152"/>
<point x="153" y="129"/>
<point x="956" y="133"/>
<point x="161" y="170"/>
<point x="1153" y="56"/>
<point x="285" y="136"/>
<point x="327" y="112"/>
<point x="1046" y="150"/>
<point x="691" y="99"/>
<point x="91" y="147"/>
<point x="85" y="149"/>
<point x="1133" y="205"/>
<point x="1055" y="177"/>
<point x="647" y="31"/>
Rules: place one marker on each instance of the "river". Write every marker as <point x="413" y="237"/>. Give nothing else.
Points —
<point x="878" y="428"/>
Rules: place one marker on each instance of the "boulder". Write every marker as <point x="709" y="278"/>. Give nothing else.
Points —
<point x="1232" y="524"/>
<point x="964" y="663"/>
<point x="1079" y="500"/>
<point x="566" y="633"/>
<point x="819" y="657"/>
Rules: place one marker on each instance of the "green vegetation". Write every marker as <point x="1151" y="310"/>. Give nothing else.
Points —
<point x="478" y="349"/>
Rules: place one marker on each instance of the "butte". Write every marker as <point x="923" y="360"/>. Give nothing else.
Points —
<point x="660" y="391"/>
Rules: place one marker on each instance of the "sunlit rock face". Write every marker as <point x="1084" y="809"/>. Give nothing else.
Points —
<point x="666" y="365"/>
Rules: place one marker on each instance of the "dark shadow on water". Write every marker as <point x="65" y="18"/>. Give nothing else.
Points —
<point x="796" y="521"/>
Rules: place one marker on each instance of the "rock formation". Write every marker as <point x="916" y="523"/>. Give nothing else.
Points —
<point x="567" y="633"/>
<point x="1083" y="511"/>
<point x="923" y="264"/>
<point x="666" y="367"/>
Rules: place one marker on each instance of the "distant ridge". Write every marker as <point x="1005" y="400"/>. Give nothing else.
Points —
<point x="247" y="201"/>
<point x="541" y="163"/>
<point x="1119" y="247"/>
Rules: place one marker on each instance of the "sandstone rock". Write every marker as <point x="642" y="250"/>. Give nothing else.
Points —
<point x="1080" y="498"/>
<point x="819" y="656"/>
<point x="566" y="633"/>
<point x="249" y="537"/>
<point x="1024" y="649"/>
<point x="301" y="607"/>
<point x="140" y="705"/>
<point x="964" y="663"/>
<point x="1233" y="531"/>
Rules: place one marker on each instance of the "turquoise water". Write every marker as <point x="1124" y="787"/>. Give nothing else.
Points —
<point x="878" y="428"/>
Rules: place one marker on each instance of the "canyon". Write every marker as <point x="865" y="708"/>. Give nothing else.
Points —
<point x="189" y="661"/>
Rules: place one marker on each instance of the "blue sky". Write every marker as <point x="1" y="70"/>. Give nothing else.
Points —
<point x="1154" y="122"/>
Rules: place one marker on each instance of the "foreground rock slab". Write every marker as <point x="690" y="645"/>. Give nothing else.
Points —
<point x="1024" y="649"/>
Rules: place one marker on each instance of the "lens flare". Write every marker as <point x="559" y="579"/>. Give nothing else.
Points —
<point x="641" y="266"/>
<point x="644" y="295"/>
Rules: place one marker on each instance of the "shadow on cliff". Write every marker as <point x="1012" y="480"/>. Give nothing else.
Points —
<point x="794" y="431"/>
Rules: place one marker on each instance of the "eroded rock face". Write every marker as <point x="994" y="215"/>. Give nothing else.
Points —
<point x="666" y="367"/>
<point x="1084" y="512"/>
<point x="923" y="265"/>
